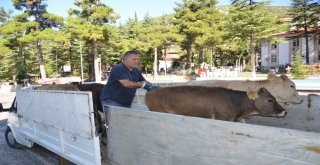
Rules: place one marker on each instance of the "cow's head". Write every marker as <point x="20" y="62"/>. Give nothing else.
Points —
<point x="283" y="89"/>
<point x="265" y="104"/>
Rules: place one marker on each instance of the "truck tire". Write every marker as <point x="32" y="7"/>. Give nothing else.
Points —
<point x="10" y="139"/>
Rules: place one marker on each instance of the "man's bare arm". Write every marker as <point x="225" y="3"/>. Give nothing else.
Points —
<point x="131" y="84"/>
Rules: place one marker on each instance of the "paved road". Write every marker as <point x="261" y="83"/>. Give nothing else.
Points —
<point x="6" y="98"/>
<point x="31" y="156"/>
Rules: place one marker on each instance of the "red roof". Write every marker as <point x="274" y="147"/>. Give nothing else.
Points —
<point x="292" y="33"/>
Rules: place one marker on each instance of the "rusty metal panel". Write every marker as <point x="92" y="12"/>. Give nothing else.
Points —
<point x="138" y="137"/>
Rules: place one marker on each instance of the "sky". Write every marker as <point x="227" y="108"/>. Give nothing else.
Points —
<point x="127" y="8"/>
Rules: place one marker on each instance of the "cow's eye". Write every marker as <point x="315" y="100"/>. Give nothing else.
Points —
<point x="270" y="101"/>
<point x="292" y="86"/>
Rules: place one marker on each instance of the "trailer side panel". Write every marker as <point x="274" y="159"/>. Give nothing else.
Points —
<point x="142" y="137"/>
<point x="61" y="121"/>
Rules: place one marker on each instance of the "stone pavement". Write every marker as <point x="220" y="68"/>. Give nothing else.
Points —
<point x="32" y="156"/>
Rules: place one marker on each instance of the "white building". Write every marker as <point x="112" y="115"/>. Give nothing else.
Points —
<point x="280" y="54"/>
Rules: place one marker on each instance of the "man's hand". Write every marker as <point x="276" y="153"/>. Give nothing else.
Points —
<point x="148" y="86"/>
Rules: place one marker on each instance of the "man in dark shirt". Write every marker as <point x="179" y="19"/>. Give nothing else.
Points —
<point x="123" y="82"/>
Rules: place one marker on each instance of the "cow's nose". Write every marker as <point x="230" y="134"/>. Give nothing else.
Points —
<point x="282" y="114"/>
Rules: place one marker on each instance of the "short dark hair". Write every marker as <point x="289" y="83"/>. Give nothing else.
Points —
<point x="129" y="53"/>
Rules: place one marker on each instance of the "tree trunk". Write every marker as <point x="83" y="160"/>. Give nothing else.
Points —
<point x="188" y="57"/>
<point x="252" y="54"/>
<point x="155" y="63"/>
<point x="256" y="56"/>
<point x="307" y="45"/>
<point x="165" y="60"/>
<point x="244" y="63"/>
<point x="70" y="58"/>
<point x="25" y="67"/>
<point x="81" y="63"/>
<point x="96" y="61"/>
<point x="212" y="57"/>
<point x="41" y="61"/>
<point x="201" y="55"/>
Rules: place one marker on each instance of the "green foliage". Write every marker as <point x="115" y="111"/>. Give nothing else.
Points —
<point x="298" y="69"/>
<point x="4" y="50"/>
<point x="193" y="19"/>
<point x="33" y="26"/>
<point x="305" y="14"/>
<point x="5" y="15"/>
<point x="248" y="23"/>
<point x="203" y="31"/>
<point x="91" y="26"/>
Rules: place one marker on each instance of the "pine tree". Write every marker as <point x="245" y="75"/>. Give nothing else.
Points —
<point x="156" y="35"/>
<point x="298" y="69"/>
<point x="35" y="13"/>
<point x="97" y="16"/>
<point x="305" y="14"/>
<point x="191" y="21"/>
<point x="243" y="2"/>
<point x="5" y="15"/>
<point x="249" y="24"/>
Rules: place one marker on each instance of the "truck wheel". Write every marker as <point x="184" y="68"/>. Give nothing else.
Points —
<point x="11" y="141"/>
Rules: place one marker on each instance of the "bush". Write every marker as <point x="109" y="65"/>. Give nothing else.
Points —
<point x="298" y="69"/>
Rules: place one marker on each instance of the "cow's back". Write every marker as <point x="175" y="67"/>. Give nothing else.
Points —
<point x="64" y="87"/>
<point x="195" y="101"/>
<point x="282" y="88"/>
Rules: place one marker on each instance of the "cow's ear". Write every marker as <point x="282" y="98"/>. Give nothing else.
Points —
<point x="262" y="91"/>
<point x="284" y="77"/>
<point x="271" y="76"/>
<point x="252" y="94"/>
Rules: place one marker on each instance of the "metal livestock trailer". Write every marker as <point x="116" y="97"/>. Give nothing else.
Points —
<point x="142" y="137"/>
<point x="62" y="121"/>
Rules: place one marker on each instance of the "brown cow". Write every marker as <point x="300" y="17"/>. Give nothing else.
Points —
<point x="65" y="87"/>
<point x="95" y="89"/>
<point x="213" y="103"/>
<point x="282" y="88"/>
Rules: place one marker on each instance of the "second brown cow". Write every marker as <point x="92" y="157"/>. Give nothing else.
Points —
<point x="213" y="103"/>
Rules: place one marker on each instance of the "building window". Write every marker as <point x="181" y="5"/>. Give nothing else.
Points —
<point x="274" y="46"/>
<point x="295" y="42"/>
<point x="273" y="58"/>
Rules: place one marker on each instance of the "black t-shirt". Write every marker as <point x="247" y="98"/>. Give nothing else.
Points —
<point x="114" y="90"/>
